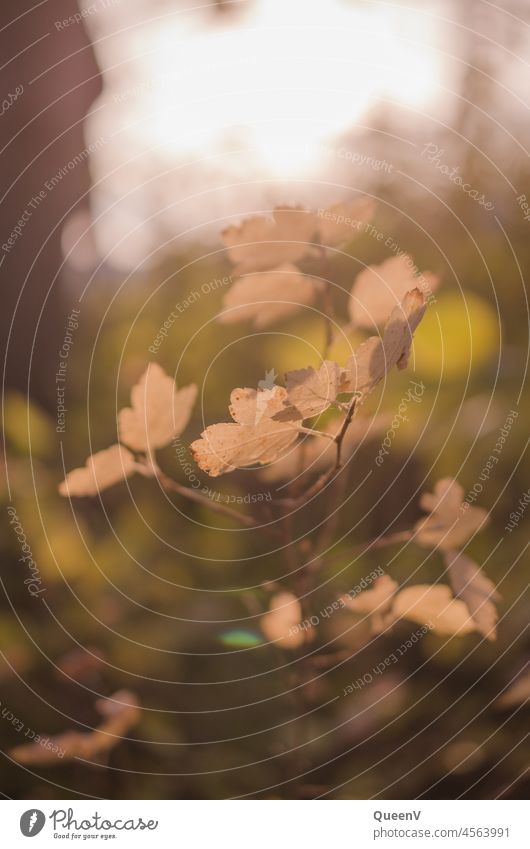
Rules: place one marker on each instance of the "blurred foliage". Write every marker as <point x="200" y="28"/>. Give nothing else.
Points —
<point x="153" y="584"/>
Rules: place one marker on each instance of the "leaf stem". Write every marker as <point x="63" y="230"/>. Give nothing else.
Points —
<point x="313" y="432"/>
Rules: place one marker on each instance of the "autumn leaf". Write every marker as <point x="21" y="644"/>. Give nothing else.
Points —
<point x="120" y="712"/>
<point x="476" y="591"/>
<point x="449" y="524"/>
<point x="249" y="406"/>
<point x="101" y="470"/>
<point x="255" y="438"/>
<point x="374" y="602"/>
<point x="379" y="288"/>
<point x="343" y="221"/>
<point x="310" y="392"/>
<point x="223" y="447"/>
<point x="433" y="604"/>
<point x="269" y="296"/>
<point x="375" y="357"/>
<point x="279" y="624"/>
<point x="261" y="242"/>
<point x="159" y="411"/>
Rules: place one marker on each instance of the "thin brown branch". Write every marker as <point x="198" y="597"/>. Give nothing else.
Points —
<point x="339" y="438"/>
<point x="328" y="476"/>
<point x="170" y="485"/>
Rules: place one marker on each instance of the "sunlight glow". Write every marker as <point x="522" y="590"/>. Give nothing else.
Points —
<point x="278" y="82"/>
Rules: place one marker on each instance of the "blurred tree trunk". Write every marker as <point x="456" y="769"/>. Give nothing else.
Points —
<point x="49" y="80"/>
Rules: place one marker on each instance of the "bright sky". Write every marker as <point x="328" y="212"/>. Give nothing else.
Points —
<point x="253" y="98"/>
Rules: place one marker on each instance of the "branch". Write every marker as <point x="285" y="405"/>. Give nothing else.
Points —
<point x="339" y="438"/>
<point x="170" y="485"/>
<point x="328" y="476"/>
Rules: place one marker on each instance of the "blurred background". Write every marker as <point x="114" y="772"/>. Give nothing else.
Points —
<point x="134" y="132"/>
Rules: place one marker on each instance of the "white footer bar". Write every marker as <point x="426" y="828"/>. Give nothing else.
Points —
<point x="267" y="824"/>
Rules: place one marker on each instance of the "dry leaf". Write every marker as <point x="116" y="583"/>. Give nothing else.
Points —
<point x="433" y="604"/>
<point x="377" y="356"/>
<point x="310" y="392"/>
<point x="279" y="624"/>
<point x="448" y="524"/>
<point x="256" y="438"/>
<point x="250" y="406"/>
<point x="159" y="411"/>
<point x="518" y="693"/>
<point x="379" y="288"/>
<point x="101" y="470"/>
<point x="375" y="602"/>
<point x="260" y="242"/>
<point x="120" y="713"/>
<point x="476" y="591"/>
<point x="343" y="221"/>
<point x="269" y="296"/>
<point x="400" y="327"/>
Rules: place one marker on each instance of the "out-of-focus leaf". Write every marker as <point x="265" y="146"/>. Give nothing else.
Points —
<point x="261" y="242"/>
<point x="159" y="411"/>
<point x="269" y="296"/>
<point x="475" y="589"/>
<point x="374" y="602"/>
<point x="434" y="605"/>
<point x="377" y="356"/>
<point x="101" y="470"/>
<point x="379" y="288"/>
<point x="120" y="713"/>
<point x="451" y="522"/>
<point x="279" y="624"/>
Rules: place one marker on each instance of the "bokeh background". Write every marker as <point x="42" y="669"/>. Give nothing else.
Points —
<point x="158" y="124"/>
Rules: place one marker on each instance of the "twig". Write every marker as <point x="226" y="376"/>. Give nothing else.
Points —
<point x="328" y="476"/>
<point x="313" y="432"/>
<point x="170" y="485"/>
<point x="339" y="438"/>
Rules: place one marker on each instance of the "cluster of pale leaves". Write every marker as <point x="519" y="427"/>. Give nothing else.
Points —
<point x="159" y="412"/>
<point x="268" y="421"/>
<point x="269" y="286"/>
<point x="120" y="712"/>
<point x="467" y="607"/>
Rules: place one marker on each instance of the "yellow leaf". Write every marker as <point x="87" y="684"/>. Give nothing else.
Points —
<point x="279" y="624"/>
<point x="261" y="242"/>
<point x="101" y="470"/>
<point x="269" y="296"/>
<point x="451" y="521"/>
<point x="159" y="411"/>
<point x="433" y="604"/>
<point x="379" y="288"/>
